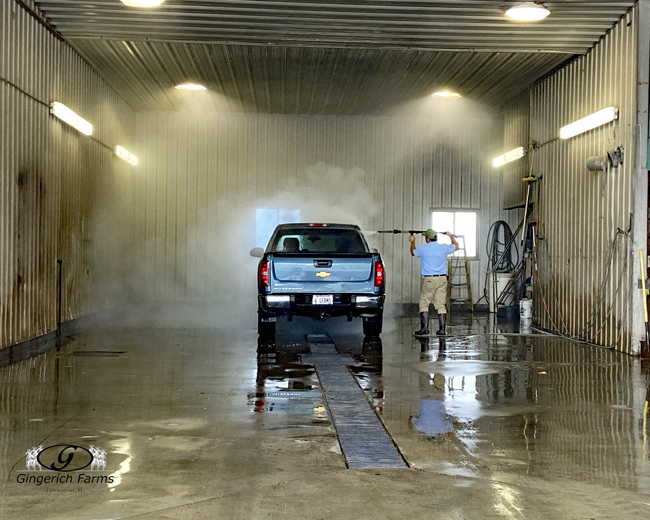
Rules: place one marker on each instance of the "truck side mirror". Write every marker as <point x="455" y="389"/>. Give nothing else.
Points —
<point x="257" y="252"/>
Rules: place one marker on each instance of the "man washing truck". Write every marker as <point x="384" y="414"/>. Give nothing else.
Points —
<point x="433" y="258"/>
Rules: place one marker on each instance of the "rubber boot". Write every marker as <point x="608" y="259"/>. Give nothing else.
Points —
<point x="442" y="321"/>
<point x="424" y="325"/>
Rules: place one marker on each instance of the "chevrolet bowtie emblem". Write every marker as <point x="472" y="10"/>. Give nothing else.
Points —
<point x="323" y="274"/>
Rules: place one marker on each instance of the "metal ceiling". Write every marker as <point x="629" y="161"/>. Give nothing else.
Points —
<point x="452" y="25"/>
<point x="306" y="80"/>
<point x="324" y="57"/>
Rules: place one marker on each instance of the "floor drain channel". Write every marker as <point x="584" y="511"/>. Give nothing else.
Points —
<point x="364" y="440"/>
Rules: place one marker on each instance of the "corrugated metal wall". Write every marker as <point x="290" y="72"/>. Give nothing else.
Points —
<point x="516" y="134"/>
<point x="60" y="191"/>
<point x="204" y="174"/>
<point x="579" y="211"/>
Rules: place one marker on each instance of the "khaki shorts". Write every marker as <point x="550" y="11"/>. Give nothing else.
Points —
<point x="434" y="289"/>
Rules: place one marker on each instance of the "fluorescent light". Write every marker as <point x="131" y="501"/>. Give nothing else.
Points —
<point x="65" y="114"/>
<point x="446" y="94"/>
<point x="602" y="117"/>
<point x="528" y="12"/>
<point x="142" y="3"/>
<point x="510" y="156"/>
<point x="123" y="153"/>
<point x="190" y="86"/>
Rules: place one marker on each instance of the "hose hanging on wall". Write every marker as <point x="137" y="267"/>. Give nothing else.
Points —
<point x="499" y="247"/>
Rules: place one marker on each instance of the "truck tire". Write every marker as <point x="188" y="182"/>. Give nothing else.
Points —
<point x="265" y="329"/>
<point x="373" y="326"/>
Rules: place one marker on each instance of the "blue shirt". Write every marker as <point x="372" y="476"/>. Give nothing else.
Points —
<point x="434" y="257"/>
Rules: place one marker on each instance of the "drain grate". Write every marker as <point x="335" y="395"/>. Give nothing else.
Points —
<point x="364" y="441"/>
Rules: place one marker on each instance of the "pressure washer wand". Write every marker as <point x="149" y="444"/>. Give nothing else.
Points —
<point x="397" y="231"/>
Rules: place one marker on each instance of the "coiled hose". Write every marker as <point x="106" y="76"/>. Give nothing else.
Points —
<point x="500" y="251"/>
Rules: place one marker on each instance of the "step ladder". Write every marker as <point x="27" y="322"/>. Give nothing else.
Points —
<point x="453" y="263"/>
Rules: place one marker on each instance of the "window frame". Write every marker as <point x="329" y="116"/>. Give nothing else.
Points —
<point x="454" y="211"/>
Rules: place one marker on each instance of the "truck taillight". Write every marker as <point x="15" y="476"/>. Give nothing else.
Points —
<point x="380" y="275"/>
<point x="264" y="278"/>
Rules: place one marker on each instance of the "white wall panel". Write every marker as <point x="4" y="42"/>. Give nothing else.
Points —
<point x="204" y="174"/>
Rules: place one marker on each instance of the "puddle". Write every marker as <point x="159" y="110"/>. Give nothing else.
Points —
<point x="284" y="384"/>
<point x="524" y="405"/>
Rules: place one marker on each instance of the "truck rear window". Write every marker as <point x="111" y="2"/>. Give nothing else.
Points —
<point x="320" y="240"/>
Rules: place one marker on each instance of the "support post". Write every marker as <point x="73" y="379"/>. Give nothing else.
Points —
<point x="640" y="186"/>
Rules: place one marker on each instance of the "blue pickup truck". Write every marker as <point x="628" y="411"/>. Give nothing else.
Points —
<point x="320" y="271"/>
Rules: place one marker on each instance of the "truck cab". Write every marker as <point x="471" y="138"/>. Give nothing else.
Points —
<point x="320" y="271"/>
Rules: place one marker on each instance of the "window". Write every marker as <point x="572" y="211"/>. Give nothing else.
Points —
<point x="460" y="223"/>
<point x="319" y="240"/>
<point x="266" y="221"/>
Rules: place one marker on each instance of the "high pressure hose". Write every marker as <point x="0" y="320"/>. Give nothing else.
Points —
<point x="500" y="251"/>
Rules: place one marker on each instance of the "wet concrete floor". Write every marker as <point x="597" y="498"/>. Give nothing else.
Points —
<point x="204" y="423"/>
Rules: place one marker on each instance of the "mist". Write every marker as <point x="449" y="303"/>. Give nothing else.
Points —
<point x="183" y="259"/>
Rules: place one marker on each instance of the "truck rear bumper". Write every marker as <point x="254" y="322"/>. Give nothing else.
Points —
<point x="275" y="305"/>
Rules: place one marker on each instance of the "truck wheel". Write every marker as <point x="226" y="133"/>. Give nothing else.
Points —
<point x="373" y="326"/>
<point x="265" y="328"/>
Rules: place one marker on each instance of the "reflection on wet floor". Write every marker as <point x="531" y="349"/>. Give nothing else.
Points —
<point x="284" y="384"/>
<point x="535" y="405"/>
<point x="187" y="415"/>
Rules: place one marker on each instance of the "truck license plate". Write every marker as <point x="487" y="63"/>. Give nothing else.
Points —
<point x="324" y="299"/>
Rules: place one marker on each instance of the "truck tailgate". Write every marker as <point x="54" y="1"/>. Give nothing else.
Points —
<point x="322" y="269"/>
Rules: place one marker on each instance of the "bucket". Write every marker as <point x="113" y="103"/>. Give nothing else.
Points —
<point x="499" y="282"/>
<point x="526" y="309"/>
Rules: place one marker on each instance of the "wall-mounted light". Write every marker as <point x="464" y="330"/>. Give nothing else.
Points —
<point x="142" y="3"/>
<point x="528" y="12"/>
<point x="190" y="86"/>
<point x="614" y="159"/>
<point x="123" y="153"/>
<point x="602" y="117"/>
<point x="510" y="156"/>
<point x="68" y="116"/>
<point x="596" y="164"/>
<point x="446" y="94"/>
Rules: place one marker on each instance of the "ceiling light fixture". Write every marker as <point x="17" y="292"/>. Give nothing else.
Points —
<point x="528" y="12"/>
<point x="190" y="86"/>
<point x="68" y="116"/>
<point x="123" y="153"/>
<point x="142" y="3"/>
<point x="602" y="117"/>
<point x="510" y="156"/>
<point x="446" y="94"/>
